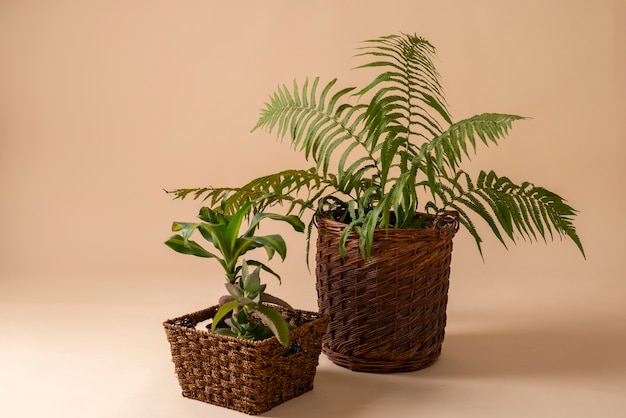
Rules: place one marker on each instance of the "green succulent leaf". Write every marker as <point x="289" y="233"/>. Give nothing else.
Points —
<point x="267" y="298"/>
<point x="225" y="299"/>
<point x="248" y="302"/>
<point x="226" y="331"/>
<point x="251" y="282"/>
<point x="223" y="310"/>
<point x="233" y="290"/>
<point x="275" y="321"/>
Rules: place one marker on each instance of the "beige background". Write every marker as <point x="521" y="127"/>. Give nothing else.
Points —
<point x="105" y="103"/>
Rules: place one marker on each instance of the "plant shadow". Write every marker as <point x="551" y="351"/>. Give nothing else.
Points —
<point x="527" y="355"/>
<point x="542" y="354"/>
<point x="341" y="392"/>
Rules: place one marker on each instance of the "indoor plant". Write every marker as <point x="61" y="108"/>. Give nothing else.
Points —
<point x="237" y="363"/>
<point x="388" y="194"/>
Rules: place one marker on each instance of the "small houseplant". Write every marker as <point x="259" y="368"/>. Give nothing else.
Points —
<point x="388" y="194"/>
<point x="236" y="362"/>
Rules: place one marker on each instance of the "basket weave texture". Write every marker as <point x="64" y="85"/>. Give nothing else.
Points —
<point x="387" y="314"/>
<point x="245" y="375"/>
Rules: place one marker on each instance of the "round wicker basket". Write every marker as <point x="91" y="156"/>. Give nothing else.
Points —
<point x="387" y="313"/>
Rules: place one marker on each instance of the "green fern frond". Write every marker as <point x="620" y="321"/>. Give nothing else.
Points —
<point x="316" y="125"/>
<point x="525" y="210"/>
<point x="411" y="78"/>
<point x="378" y="147"/>
<point x="298" y="189"/>
<point x="451" y="145"/>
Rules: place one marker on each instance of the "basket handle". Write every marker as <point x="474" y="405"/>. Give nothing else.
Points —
<point x="449" y="217"/>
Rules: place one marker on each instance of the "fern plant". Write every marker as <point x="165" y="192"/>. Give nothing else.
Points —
<point x="388" y="155"/>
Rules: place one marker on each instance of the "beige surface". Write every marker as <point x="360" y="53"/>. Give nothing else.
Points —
<point x="104" y="103"/>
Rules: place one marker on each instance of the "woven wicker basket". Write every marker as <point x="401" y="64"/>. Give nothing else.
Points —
<point x="245" y="375"/>
<point x="387" y="314"/>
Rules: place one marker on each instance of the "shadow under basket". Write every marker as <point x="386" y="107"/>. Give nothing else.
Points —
<point x="245" y="375"/>
<point x="388" y="313"/>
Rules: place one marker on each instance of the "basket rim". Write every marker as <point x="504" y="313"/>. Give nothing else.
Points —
<point x="209" y="313"/>
<point x="451" y="219"/>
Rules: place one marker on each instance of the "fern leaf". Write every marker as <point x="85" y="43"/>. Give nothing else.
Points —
<point x="451" y="146"/>
<point x="411" y="73"/>
<point x="317" y="126"/>
<point x="520" y="210"/>
<point x="266" y="191"/>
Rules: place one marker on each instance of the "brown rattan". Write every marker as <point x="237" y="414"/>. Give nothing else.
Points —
<point x="245" y="375"/>
<point x="387" y="314"/>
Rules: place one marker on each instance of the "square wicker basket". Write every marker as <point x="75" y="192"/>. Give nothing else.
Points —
<point x="245" y="375"/>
